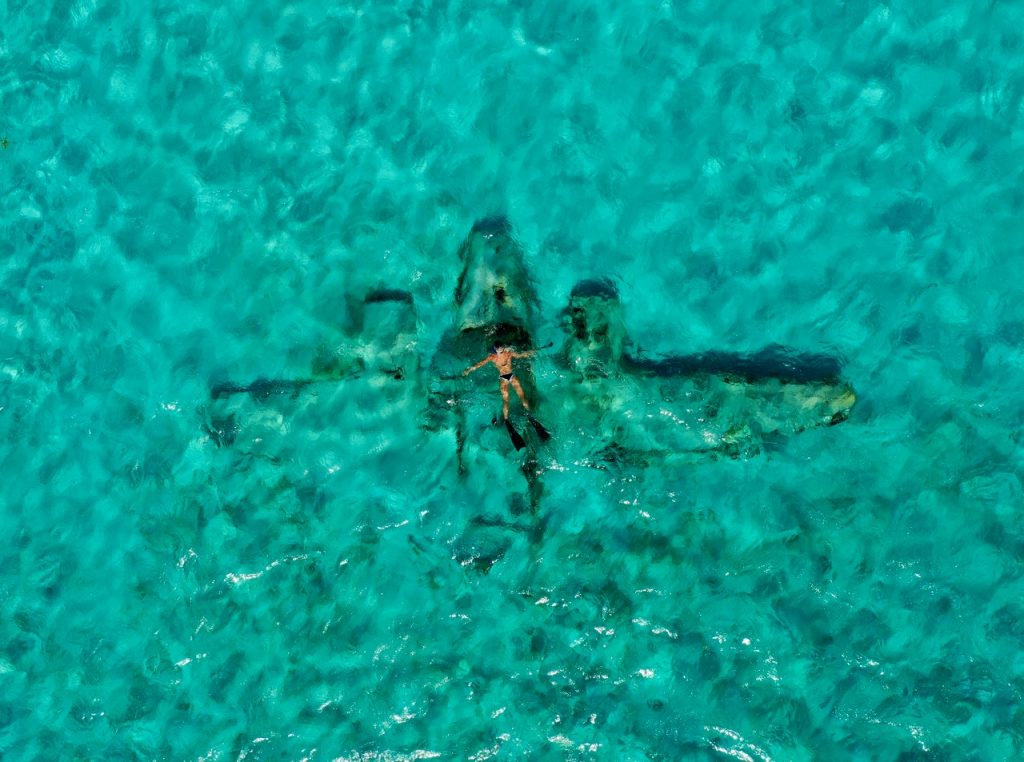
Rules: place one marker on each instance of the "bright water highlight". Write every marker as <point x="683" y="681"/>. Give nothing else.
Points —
<point x="200" y="192"/>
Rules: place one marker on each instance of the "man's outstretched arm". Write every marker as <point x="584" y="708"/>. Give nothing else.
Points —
<point x="531" y="352"/>
<point x="480" y="364"/>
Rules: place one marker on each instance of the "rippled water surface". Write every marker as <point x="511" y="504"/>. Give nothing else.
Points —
<point x="195" y="192"/>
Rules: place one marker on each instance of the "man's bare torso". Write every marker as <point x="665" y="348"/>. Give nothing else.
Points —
<point x="502" y="360"/>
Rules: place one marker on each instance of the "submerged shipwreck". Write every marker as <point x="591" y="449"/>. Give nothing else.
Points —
<point x="618" y="408"/>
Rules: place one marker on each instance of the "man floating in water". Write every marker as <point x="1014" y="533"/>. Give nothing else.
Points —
<point x="502" y="358"/>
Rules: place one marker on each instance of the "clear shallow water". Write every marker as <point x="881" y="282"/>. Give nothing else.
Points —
<point x="198" y="192"/>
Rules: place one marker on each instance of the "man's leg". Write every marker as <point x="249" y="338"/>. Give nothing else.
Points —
<point x="504" y="397"/>
<point x="519" y="391"/>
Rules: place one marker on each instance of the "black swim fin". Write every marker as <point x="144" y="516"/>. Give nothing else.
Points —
<point x="543" y="433"/>
<point x="517" y="440"/>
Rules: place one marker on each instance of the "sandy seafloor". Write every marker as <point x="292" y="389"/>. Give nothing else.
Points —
<point x="194" y="191"/>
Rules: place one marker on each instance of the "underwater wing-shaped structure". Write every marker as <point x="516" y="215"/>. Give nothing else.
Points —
<point x="372" y="382"/>
<point x="713" y="403"/>
<point x="621" y="408"/>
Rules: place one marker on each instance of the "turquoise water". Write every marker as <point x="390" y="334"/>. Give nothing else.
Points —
<point x="195" y="192"/>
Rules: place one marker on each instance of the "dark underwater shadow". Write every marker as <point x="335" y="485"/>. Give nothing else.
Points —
<point x="773" y="362"/>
